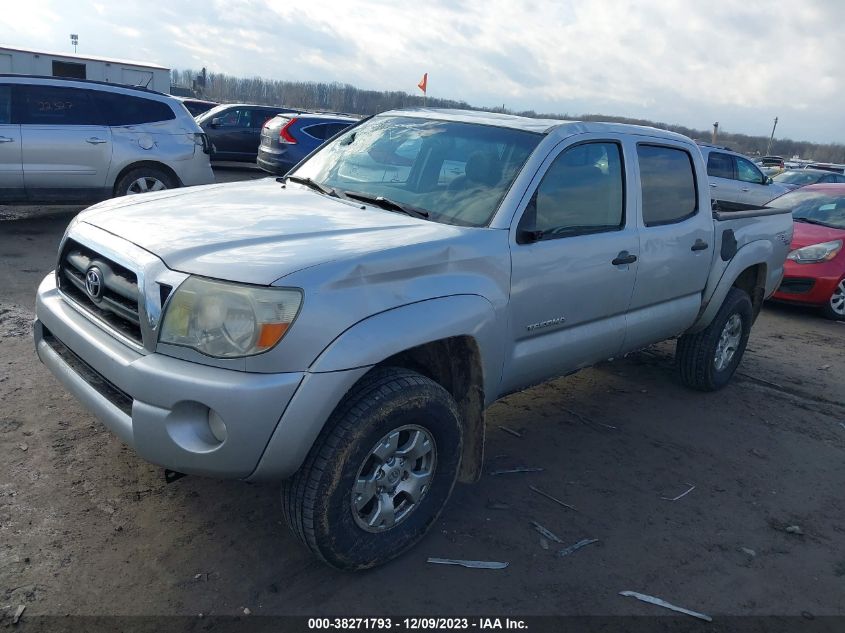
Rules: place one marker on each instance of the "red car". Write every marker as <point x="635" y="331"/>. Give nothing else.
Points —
<point x="815" y="268"/>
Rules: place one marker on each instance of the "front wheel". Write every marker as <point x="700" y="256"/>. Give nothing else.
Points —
<point x="708" y="359"/>
<point x="835" y="307"/>
<point x="379" y="473"/>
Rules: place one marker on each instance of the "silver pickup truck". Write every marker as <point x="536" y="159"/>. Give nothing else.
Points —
<point x="343" y="329"/>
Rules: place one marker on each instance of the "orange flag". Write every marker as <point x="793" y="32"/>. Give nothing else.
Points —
<point x="422" y="85"/>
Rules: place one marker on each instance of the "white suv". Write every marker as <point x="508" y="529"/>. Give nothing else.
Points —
<point x="82" y="141"/>
<point x="737" y="180"/>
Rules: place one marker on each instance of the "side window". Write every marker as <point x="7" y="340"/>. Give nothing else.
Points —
<point x="335" y="128"/>
<point x="720" y="165"/>
<point x="668" y="184"/>
<point x="318" y="131"/>
<point x="235" y="118"/>
<point x="5" y="104"/>
<point x="119" y="109"/>
<point x="747" y="172"/>
<point x="260" y="117"/>
<point x="582" y="192"/>
<point x="52" y="105"/>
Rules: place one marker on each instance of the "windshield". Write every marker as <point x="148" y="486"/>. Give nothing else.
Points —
<point x="818" y="207"/>
<point x="800" y="177"/>
<point x="457" y="173"/>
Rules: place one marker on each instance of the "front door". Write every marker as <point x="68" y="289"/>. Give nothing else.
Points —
<point x="11" y="170"/>
<point x="66" y="146"/>
<point x="574" y="261"/>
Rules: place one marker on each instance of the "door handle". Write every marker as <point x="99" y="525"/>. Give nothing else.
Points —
<point x="624" y="258"/>
<point x="745" y="190"/>
<point x="95" y="141"/>
<point x="700" y="245"/>
<point x="6" y="139"/>
<point x="713" y="185"/>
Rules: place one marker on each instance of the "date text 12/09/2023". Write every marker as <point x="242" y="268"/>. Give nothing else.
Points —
<point x="416" y="624"/>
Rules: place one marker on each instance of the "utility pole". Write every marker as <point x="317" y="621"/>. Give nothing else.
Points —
<point x="715" y="131"/>
<point x="74" y="39"/>
<point x="772" y="137"/>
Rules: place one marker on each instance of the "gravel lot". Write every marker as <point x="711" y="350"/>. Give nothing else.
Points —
<point x="88" y="528"/>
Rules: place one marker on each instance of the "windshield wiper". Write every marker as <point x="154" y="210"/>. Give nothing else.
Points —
<point x="388" y="204"/>
<point x="314" y="185"/>
<point x="809" y="221"/>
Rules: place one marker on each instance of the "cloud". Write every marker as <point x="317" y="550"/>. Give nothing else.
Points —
<point x="671" y="60"/>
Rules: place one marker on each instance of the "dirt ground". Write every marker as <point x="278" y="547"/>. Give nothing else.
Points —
<point x="87" y="528"/>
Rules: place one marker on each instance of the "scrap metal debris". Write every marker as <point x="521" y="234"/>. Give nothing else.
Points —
<point x="747" y="550"/>
<point x="566" y="551"/>
<point x="546" y="532"/>
<point x="471" y="564"/>
<point x="511" y="431"/>
<point x="794" y="529"/>
<point x="662" y="603"/>
<point x="683" y="494"/>
<point x="555" y="499"/>
<point x="518" y="469"/>
<point x="18" y="613"/>
<point x="588" y="421"/>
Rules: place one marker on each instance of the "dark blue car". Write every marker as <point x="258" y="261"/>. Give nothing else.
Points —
<point x="288" y="138"/>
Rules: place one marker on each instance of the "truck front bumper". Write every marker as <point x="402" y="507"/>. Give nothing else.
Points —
<point x="159" y="405"/>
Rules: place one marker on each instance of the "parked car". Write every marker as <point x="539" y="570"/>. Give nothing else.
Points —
<point x="78" y="141"/>
<point x="197" y="106"/>
<point x="345" y="331"/>
<point x="831" y="167"/>
<point x="235" y="129"/>
<point x="736" y="180"/>
<point x="770" y="161"/>
<point x="288" y="138"/>
<point x="815" y="267"/>
<point x="794" y="178"/>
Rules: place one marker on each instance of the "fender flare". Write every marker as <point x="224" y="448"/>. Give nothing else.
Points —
<point x="752" y="254"/>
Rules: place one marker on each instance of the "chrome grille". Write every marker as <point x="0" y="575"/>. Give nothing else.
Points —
<point x="117" y="306"/>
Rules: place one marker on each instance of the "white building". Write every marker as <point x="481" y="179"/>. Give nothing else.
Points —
<point x="118" y="71"/>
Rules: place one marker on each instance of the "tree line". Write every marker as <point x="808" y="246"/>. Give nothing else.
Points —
<point x="338" y="97"/>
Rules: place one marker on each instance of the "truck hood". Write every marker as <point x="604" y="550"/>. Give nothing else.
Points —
<point x="256" y="231"/>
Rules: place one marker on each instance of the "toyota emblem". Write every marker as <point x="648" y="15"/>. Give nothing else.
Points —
<point x="94" y="283"/>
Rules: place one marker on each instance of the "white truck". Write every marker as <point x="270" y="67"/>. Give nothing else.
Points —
<point x="344" y="328"/>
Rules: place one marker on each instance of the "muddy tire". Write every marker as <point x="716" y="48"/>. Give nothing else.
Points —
<point x="379" y="473"/>
<point x="143" y="180"/>
<point x="708" y="359"/>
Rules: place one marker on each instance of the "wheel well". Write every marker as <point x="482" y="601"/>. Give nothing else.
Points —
<point x="753" y="281"/>
<point x="146" y="163"/>
<point x="455" y="364"/>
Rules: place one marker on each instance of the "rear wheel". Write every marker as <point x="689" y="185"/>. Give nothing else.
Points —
<point x="379" y="473"/>
<point x="835" y="307"/>
<point x="143" y="180"/>
<point x="708" y="359"/>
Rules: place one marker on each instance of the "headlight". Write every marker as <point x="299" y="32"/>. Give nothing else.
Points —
<point x="816" y="252"/>
<point x="228" y="320"/>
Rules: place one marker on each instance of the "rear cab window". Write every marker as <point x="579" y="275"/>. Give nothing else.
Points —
<point x="667" y="179"/>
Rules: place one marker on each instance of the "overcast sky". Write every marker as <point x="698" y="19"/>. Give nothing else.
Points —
<point x="690" y="62"/>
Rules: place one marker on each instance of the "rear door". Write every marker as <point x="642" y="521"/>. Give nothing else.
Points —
<point x="675" y="244"/>
<point x="11" y="169"/>
<point x="574" y="261"/>
<point x="66" y="147"/>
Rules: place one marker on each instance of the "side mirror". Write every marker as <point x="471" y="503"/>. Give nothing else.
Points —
<point x="767" y="180"/>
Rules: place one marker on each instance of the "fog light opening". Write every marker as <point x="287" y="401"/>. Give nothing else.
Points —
<point x="217" y="426"/>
